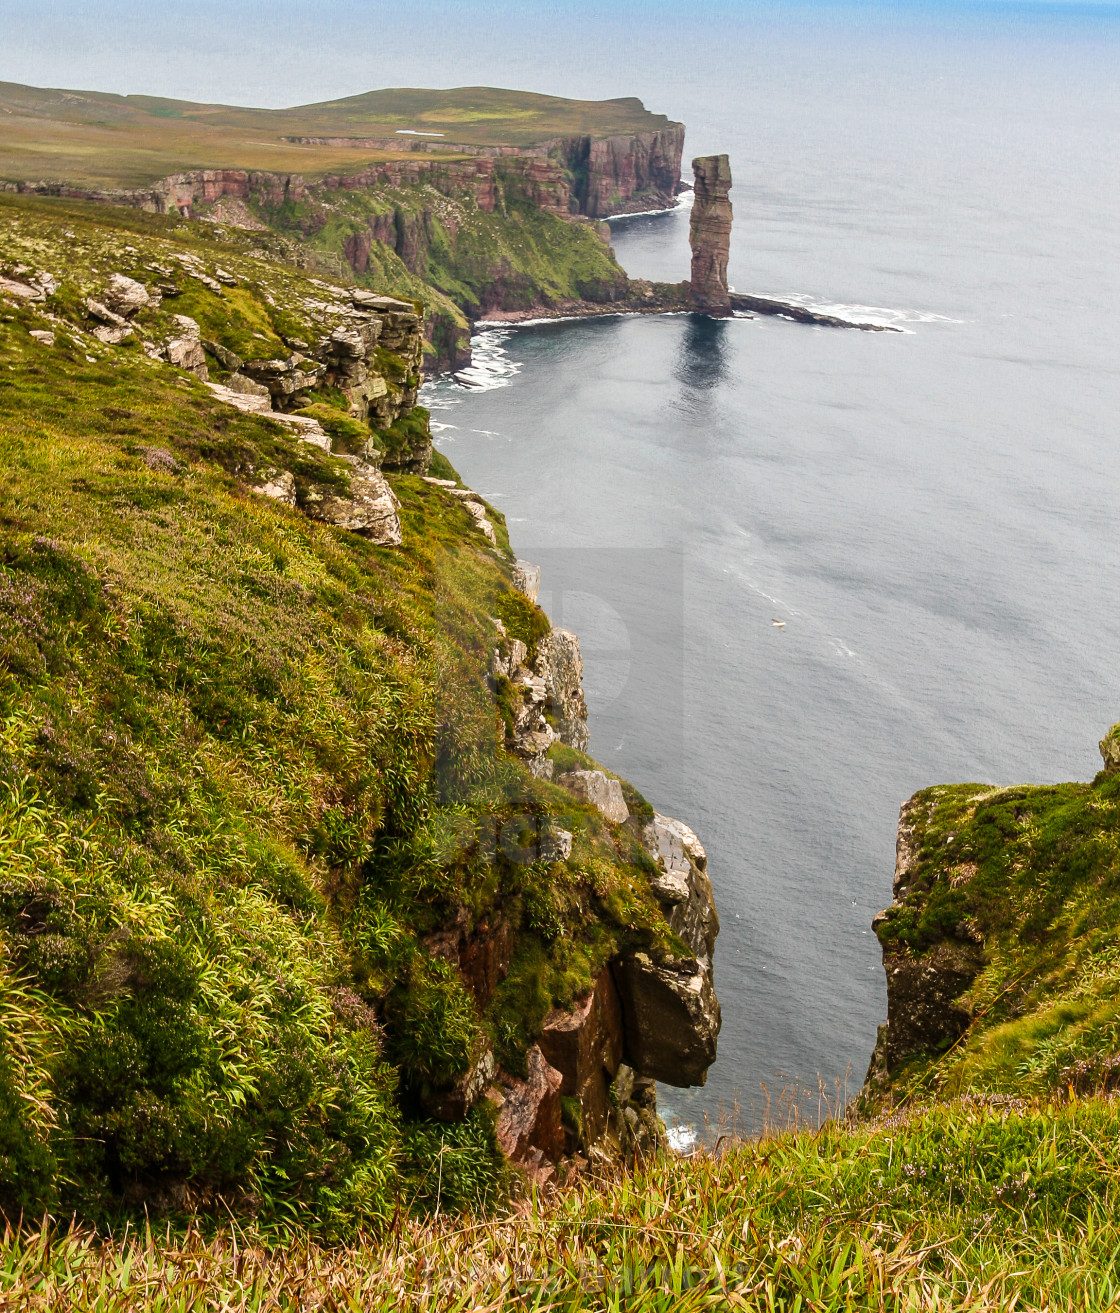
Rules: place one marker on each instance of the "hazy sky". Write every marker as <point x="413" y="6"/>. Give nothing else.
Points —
<point x="284" y="52"/>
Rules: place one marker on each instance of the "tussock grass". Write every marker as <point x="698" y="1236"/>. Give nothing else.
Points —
<point x="976" y="1205"/>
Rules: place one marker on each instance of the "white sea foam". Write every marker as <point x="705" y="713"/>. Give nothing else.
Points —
<point x="683" y="202"/>
<point x="491" y="367"/>
<point x="862" y="314"/>
<point x="682" y="1137"/>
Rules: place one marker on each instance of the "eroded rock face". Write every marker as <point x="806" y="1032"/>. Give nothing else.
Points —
<point x="709" y="233"/>
<point x="368" y="508"/>
<point x="671" y="1016"/>
<point x="560" y="664"/>
<point x="671" y="1013"/>
<point x="1110" y="750"/>
<point x="585" y="1046"/>
<point x="683" y="887"/>
<point x="529" y="1116"/>
<point x="924" y="1011"/>
<point x="526" y="578"/>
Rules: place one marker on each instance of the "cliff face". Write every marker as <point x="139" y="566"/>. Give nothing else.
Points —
<point x="710" y="234"/>
<point x="623" y="174"/>
<point x="472" y="235"/>
<point x="998" y="946"/>
<point x="347" y="889"/>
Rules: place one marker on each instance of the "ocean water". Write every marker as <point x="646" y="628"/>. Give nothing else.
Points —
<point x="932" y="515"/>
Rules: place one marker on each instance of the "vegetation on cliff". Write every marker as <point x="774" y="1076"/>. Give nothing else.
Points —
<point x="248" y="762"/>
<point x="1002" y="947"/>
<point x="976" y="1206"/>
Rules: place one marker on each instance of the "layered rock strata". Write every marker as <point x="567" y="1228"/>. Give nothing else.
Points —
<point x="709" y="234"/>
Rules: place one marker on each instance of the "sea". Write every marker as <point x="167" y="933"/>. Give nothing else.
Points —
<point x="812" y="570"/>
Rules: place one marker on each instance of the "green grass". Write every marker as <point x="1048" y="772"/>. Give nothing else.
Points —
<point x="247" y="762"/>
<point x="107" y="140"/>
<point x="977" y="1206"/>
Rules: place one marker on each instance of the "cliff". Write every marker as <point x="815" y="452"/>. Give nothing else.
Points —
<point x="306" y="877"/>
<point x="470" y="221"/>
<point x="1000" y="944"/>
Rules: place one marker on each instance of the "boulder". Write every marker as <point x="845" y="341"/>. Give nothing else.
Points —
<point x="104" y="315"/>
<point x="247" y="387"/>
<point x="600" y="790"/>
<point x="709" y="234"/>
<point x="281" y="487"/>
<point x="20" y="290"/>
<point x="126" y="296"/>
<point x="529" y="1116"/>
<point x="185" y="350"/>
<point x="369" y="508"/>
<point x="556" y="845"/>
<point x="111" y="335"/>
<point x="671" y="1017"/>
<point x="226" y="358"/>
<point x="371" y="301"/>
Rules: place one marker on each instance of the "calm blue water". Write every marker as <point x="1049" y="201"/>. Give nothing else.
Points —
<point x="934" y="515"/>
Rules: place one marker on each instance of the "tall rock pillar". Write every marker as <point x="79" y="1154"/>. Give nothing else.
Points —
<point x="710" y="234"/>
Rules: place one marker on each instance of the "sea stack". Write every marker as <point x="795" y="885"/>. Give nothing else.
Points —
<point x="710" y="235"/>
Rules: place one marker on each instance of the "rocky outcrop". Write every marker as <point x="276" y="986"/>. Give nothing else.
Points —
<point x="924" y="1009"/>
<point x="367" y="506"/>
<point x="1110" y="750"/>
<point x="764" y="305"/>
<point x="526" y="578"/>
<point x="559" y="663"/>
<point x="672" y="1015"/>
<point x="600" y="790"/>
<point x="709" y="234"/>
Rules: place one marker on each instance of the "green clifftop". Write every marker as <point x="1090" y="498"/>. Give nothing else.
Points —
<point x="296" y="868"/>
<point x="1002" y="945"/>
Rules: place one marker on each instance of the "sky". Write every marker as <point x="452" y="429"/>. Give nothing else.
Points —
<point x="285" y="52"/>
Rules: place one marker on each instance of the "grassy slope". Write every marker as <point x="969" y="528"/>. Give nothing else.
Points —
<point x="245" y="762"/>
<point x="104" y="140"/>
<point x="971" y="1207"/>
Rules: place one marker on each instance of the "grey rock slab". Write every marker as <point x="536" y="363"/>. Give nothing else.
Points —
<point x="595" y="787"/>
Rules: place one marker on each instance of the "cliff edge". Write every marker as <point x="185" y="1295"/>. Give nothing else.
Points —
<point x="1000" y="946"/>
